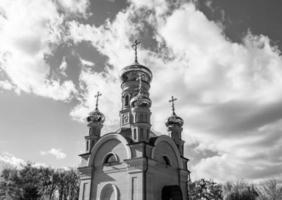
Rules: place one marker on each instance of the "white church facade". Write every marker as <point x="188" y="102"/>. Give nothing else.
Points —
<point x="133" y="163"/>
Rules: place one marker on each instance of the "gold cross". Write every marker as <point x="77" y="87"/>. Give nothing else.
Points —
<point x="134" y="46"/>
<point x="97" y="99"/>
<point x="172" y="100"/>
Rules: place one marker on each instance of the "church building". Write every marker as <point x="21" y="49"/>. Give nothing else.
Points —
<point x="133" y="163"/>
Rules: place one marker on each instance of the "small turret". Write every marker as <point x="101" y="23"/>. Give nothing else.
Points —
<point x="95" y="122"/>
<point x="174" y="125"/>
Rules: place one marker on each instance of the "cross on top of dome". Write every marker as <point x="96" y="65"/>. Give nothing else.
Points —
<point x="97" y="99"/>
<point x="135" y="46"/>
<point x="172" y="100"/>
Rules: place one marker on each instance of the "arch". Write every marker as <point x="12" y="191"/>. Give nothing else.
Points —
<point x="171" y="143"/>
<point x="104" y="139"/>
<point x="172" y="192"/>
<point x="110" y="158"/>
<point x="109" y="192"/>
<point x="126" y="100"/>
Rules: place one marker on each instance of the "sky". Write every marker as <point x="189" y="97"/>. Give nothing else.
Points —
<point x="221" y="59"/>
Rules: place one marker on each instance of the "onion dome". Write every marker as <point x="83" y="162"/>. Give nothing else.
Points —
<point x="174" y="120"/>
<point x="131" y="72"/>
<point x="96" y="116"/>
<point x="141" y="99"/>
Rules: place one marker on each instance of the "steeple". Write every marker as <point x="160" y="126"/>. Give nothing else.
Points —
<point x="135" y="112"/>
<point x="95" y="122"/>
<point x="174" y="125"/>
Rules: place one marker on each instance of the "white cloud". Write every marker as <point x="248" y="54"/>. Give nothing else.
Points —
<point x="29" y="31"/>
<point x="87" y="62"/>
<point x="74" y="6"/>
<point x="9" y="160"/>
<point x="229" y="93"/>
<point x="54" y="152"/>
<point x="6" y="85"/>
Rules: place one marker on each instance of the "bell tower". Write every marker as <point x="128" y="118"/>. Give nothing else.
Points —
<point x="135" y="113"/>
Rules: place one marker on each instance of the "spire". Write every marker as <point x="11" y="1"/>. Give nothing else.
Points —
<point x="97" y="100"/>
<point x="172" y="100"/>
<point x="174" y="124"/>
<point x="174" y="119"/>
<point x="96" y="115"/>
<point x="95" y="121"/>
<point x="135" y="46"/>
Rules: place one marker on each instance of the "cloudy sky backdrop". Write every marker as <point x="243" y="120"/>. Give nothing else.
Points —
<point x="221" y="59"/>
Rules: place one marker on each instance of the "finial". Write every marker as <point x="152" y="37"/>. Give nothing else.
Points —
<point x="140" y="76"/>
<point x="172" y="100"/>
<point x="97" y="99"/>
<point x="135" y="45"/>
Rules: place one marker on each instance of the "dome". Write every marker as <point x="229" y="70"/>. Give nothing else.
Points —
<point x="174" y="120"/>
<point x="135" y="69"/>
<point x="95" y="116"/>
<point x="140" y="100"/>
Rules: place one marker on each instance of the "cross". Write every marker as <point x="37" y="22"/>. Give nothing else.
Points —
<point x="134" y="46"/>
<point x="172" y="100"/>
<point x="97" y="99"/>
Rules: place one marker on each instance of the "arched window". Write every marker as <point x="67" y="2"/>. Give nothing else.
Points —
<point x="87" y="145"/>
<point x="166" y="160"/>
<point x="134" y="134"/>
<point x="110" y="159"/>
<point x="126" y="100"/>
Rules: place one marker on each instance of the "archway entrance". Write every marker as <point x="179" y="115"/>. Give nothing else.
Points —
<point x="172" y="192"/>
<point x="109" y="192"/>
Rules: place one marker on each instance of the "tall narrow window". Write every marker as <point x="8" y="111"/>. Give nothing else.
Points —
<point x="87" y="145"/>
<point x="134" y="134"/>
<point x="126" y="100"/>
<point x="166" y="160"/>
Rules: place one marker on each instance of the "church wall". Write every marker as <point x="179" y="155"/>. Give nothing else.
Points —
<point x="159" y="176"/>
<point x="164" y="149"/>
<point x="121" y="180"/>
<point x="128" y="184"/>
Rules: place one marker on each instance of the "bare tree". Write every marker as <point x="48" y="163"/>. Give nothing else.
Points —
<point x="239" y="191"/>
<point x="270" y="190"/>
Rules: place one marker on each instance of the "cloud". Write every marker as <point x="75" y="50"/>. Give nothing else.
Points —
<point x="6" y="85"/>
<point x="9" y="160"/>
<point x="54" y="152"/>
<point x="71" y="7"/>
<point x="23" y="56"/>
